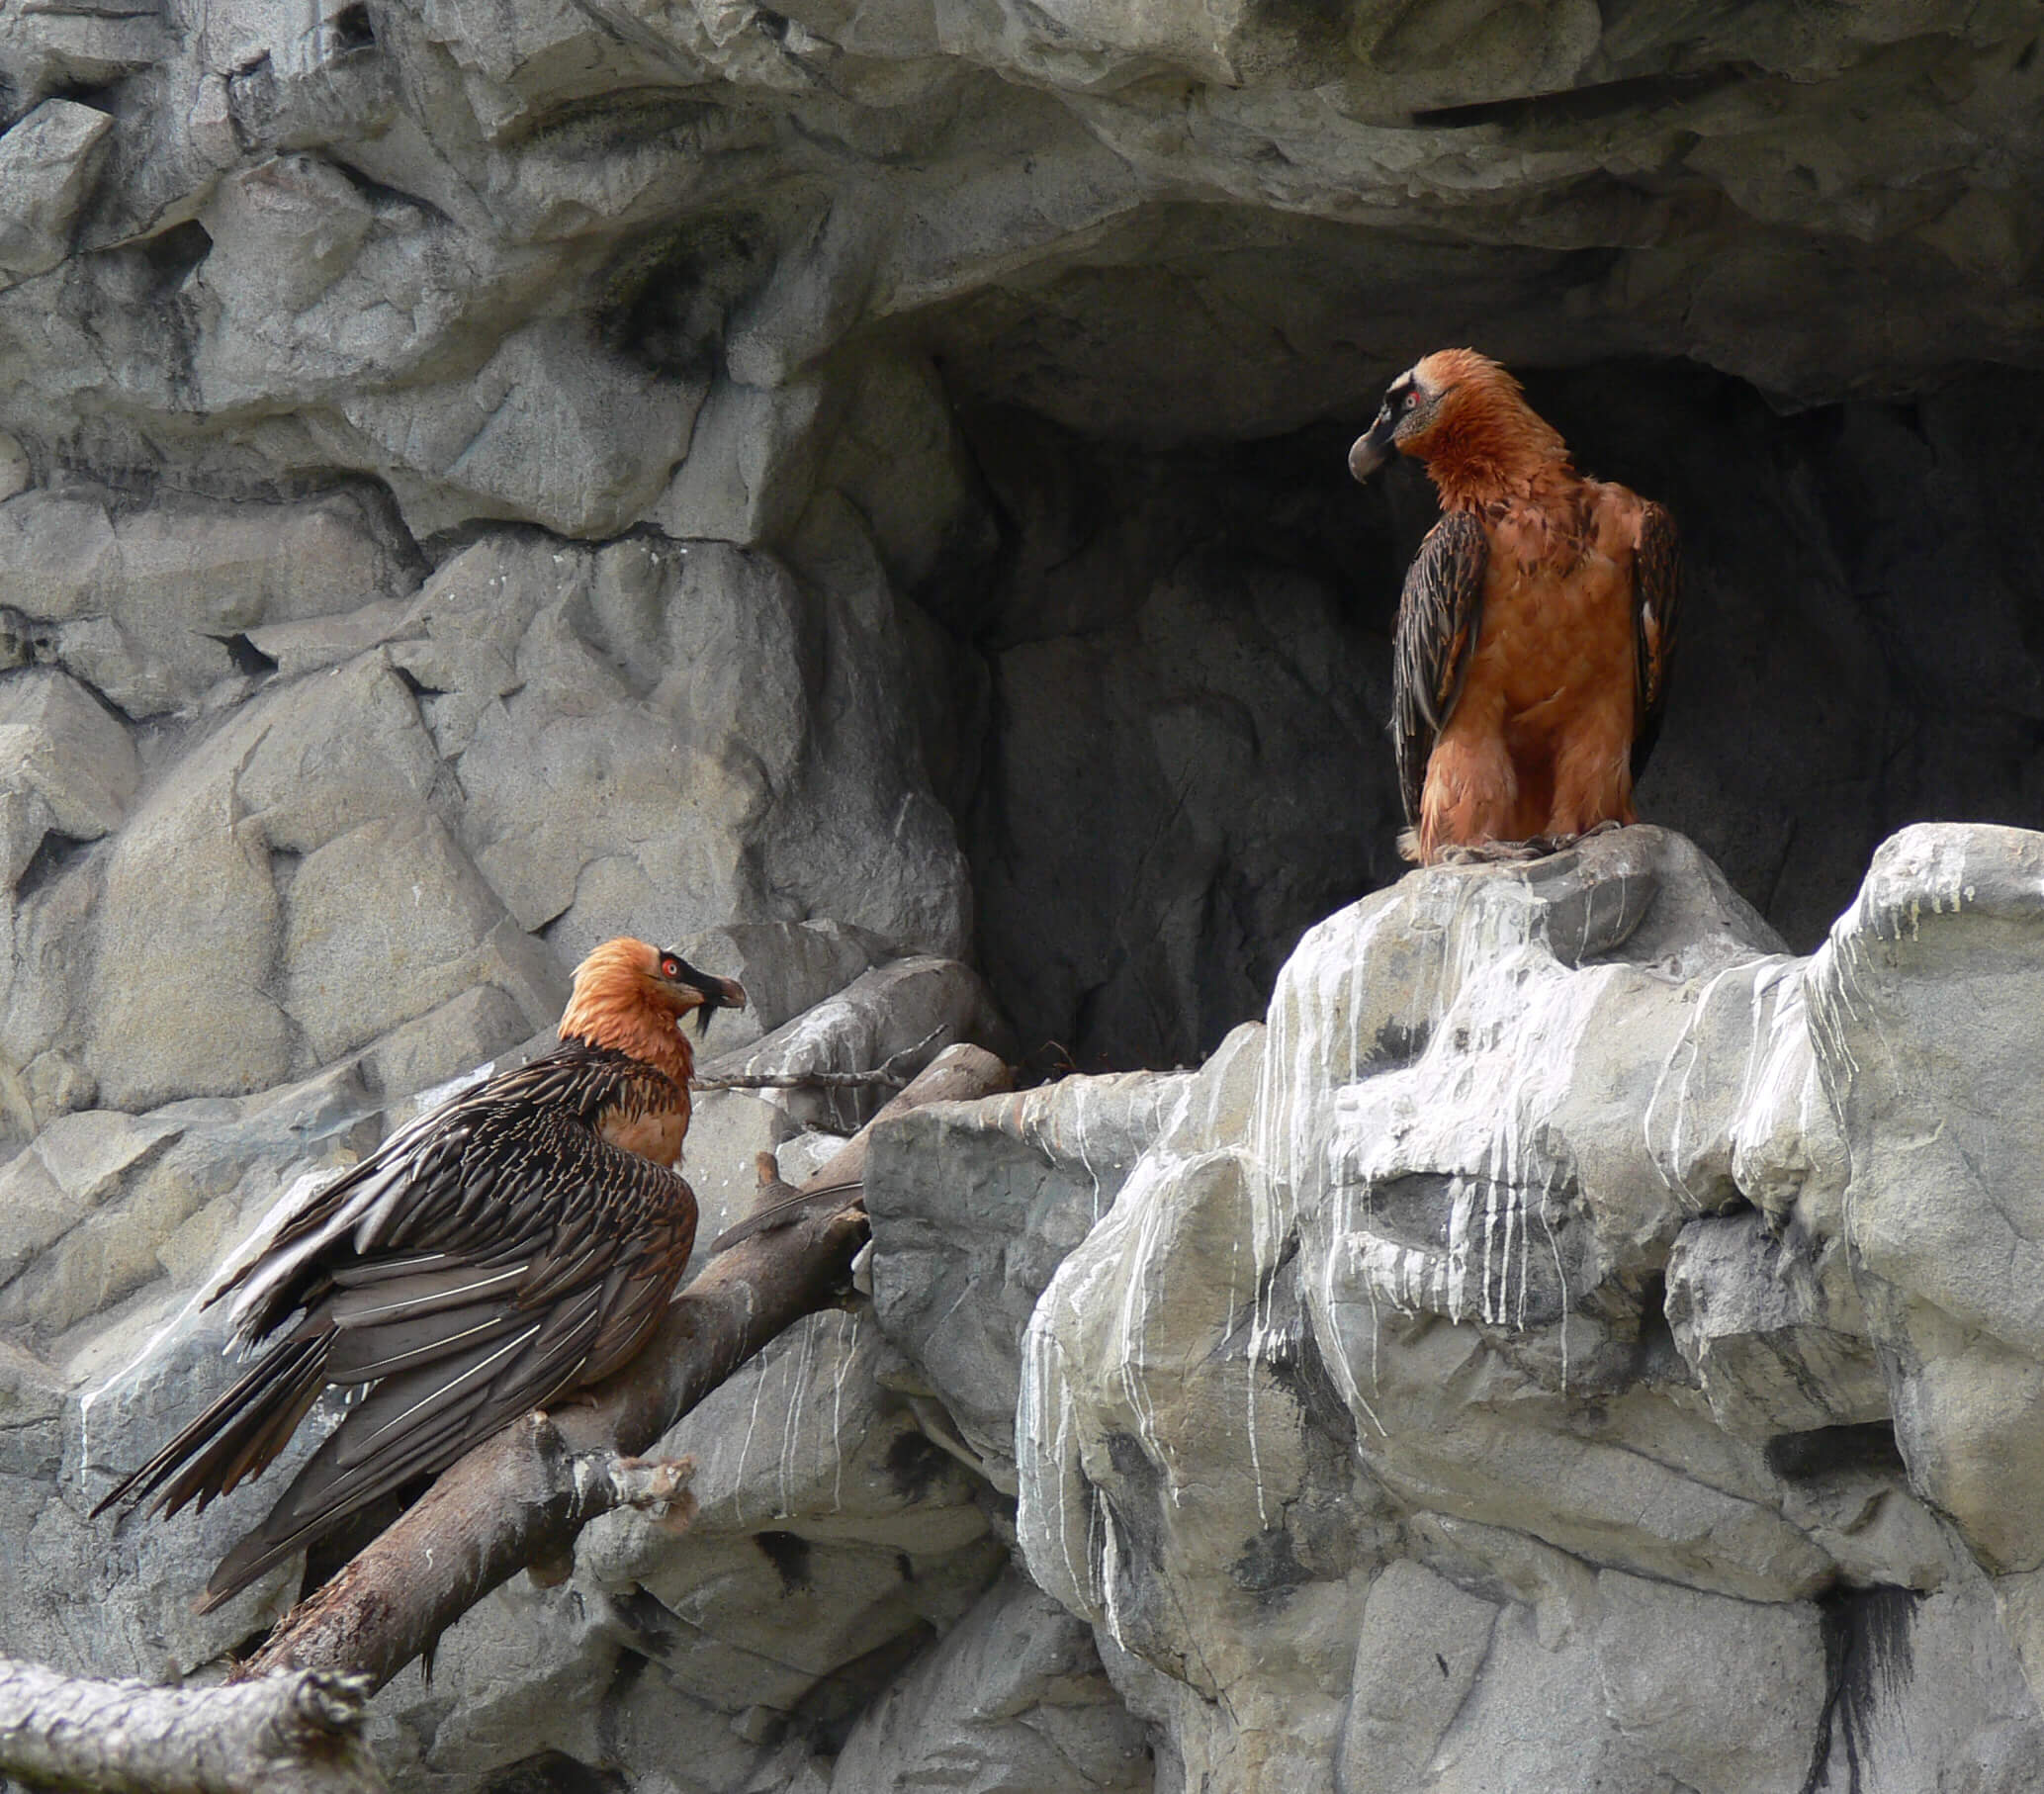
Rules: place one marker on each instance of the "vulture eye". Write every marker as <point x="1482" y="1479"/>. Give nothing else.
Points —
<point x="670" y="967"/>
<point x="1412" y="398"/>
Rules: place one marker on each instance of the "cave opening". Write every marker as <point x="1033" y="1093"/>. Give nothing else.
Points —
<point x="1177" y="755"/>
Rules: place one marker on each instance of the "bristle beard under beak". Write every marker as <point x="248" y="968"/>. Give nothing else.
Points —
<point x="717" y="992"/>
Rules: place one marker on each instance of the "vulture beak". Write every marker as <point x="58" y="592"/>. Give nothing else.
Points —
<point x="717" y="992"/>
<point x="1374" y="448"/>
<point x="714" y="993"/>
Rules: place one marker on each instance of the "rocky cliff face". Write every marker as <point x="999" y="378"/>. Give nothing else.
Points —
<point x="857" y="491"/>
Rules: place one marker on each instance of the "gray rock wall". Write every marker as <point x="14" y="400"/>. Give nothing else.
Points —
<point x="856" y="492"/>
<point x="1592" y="1352"/>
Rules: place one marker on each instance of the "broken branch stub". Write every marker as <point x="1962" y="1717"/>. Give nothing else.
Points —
<point x="521" y="1497"/>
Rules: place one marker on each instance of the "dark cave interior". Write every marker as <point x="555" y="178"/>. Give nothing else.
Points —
<point x="1175" y="760"/>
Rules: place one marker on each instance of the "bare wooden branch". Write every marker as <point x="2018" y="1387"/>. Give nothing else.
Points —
<point x="295" y="1734"/>
<point x="523" y="1496"/>
<point x="803" y="1080"/>
<point x="884" y="1076"/>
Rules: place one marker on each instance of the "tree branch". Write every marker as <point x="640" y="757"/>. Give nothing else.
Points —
<point x="521" y="1497"/>
<point x="803" y="1080"/>
<point x="297" y="1734"/>
<point x="884" y="1075"/>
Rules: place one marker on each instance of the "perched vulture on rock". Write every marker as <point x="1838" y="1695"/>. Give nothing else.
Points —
<point x="1534" y="632"/>
<point x="517" y="1243"/>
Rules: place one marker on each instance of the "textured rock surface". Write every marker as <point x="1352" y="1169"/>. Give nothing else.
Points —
<point x="1565" y="1288"/>
<point x="857" y="491"/>
<point x="985" y="325"/>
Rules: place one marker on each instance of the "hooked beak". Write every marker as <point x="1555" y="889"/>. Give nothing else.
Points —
<point x="1374" y="448"/>
<point x="715" y="994"/>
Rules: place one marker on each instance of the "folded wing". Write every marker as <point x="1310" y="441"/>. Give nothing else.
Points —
<point x="1440" y="614"/>
<point x="482" y="1262"/>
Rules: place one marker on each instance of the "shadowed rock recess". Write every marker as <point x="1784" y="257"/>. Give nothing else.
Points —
<point x="856" y="492"/>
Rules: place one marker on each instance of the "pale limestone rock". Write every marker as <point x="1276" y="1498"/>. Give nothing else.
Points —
<point x="1778" y="1346"/>
<point x="900" y="1015"/>
<point x="64" y="1173"/>
<point x="176" y="1005"/>
<point x="1014" y="1697"/>
<point x="466" y="1030"/>
<point x="48" y="161"/>
<point x="664" y="686"/>
<point x="67" y="767"/>
<point x="1693" y="1718"/>
<point x="1420" y="1647"/>
<point x="750" y="464"/>
<point x="145" y="602"/>
<point x="381" y="923"/>
<point x="974" y="1205"/>
<point x="16" y="474"/>
<point x="550" y="427"/>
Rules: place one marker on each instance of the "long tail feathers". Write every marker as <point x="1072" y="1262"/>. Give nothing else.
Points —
<point x="236" y="1436"/>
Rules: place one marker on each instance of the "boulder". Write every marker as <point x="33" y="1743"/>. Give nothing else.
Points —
<point x="1013" y="1697"/>
<point x="898" y="1016"/>
<point x="1535" y="1270"/>
<point x="47" y="163"/>
<point x="974" y="1205"/>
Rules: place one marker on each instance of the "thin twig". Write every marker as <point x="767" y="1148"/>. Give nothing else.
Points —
<point x="803" y="1080"/>
<point x="883" y="1076"/>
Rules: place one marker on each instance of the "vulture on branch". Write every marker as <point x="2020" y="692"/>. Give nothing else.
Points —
<point x="515" y="1244"/>
<point x="1531" y="660"/>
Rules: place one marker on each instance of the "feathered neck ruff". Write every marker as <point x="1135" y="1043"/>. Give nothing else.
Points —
<point x="617" y="1002"/>
<point x="1488" y="443"/>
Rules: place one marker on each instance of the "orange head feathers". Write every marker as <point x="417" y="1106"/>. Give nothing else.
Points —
<point x="633" y="997"/>
<point x="1466" y="417"/>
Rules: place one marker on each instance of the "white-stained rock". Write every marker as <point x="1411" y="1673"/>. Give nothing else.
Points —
<point x="1922" y="1005"/>
<point x="1497" y="1109"/>
<point x="974" y="1205"/>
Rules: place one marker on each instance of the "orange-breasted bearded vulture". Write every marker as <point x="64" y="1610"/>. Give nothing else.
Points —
<point x="1531" y="661"/>
<point x="517" y="1243"/>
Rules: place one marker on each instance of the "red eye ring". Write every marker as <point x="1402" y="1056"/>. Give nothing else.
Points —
<point x="671" y="968"/>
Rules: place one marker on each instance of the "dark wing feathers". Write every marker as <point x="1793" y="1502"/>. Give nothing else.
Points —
<point x="1440" y="614"/>
<point x="480" y="1263"/>
<point x="1656" y="612"/>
